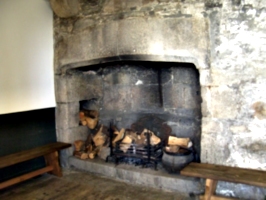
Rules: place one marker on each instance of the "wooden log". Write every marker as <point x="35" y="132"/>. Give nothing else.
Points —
<point x="89" y="118"/>
<point x="99" y="138"/>
<point x="81" y="155"/>
<point x="89" y="148"/>
<point x="77" y="154"/>
<point x="79" y="145"/>
<point x="182" y="142"/>
<point x="153" y="138"/>
<point x="125" y="147"/>
<point x="119" y="135"/>
<point x="94" y="152"/>
<point x="172" y="148"/>
<point x="127" y="140"/>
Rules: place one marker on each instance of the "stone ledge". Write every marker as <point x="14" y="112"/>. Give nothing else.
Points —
<point x="140" y="176"/>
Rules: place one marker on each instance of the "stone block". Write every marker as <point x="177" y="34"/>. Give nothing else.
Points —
<point x="90" y="7"/>
<point x="147" y="177"/>
<point x="145" y="97"/>
<point x="185" y="75"/>
<point x="238" y="129"/>
<point x="210" y="125"/>
<point x="72" y="134"/>
<point x="100" y="40"/>
<point x="191" y="98"/>
<point x="60" y="89"/>
<point x="180" y="96"/>
<point x="240" y="191"/>
<point x="253" y="100"/>
<point x="67" y="115"/>
<point x="183" y="127"/>
<point x="223" y="102"/>
<point x="104" y="40"/>
<point x="166" y="76"/>
<point x="72" y="88"/>
<point x="117" y="98"/>
<point x="205" y="77"/>
<point x="185" y="34"/>
<point x="83" y="24"/>
<point x="247" y="151"/>
<point x="117" y="75"/>
<point x="69" y="136"/>
<point x="112" y="6"/>
<point x="172" y="96"/>
<point x="205" y="105"/>
<point x="130" y="34"/>
<point x="231" y="76"/>
<point x="215" y="148"/>
<point x="65" y="8"/>
<point x="137" y="37"/>
<point x="145" y="73"/>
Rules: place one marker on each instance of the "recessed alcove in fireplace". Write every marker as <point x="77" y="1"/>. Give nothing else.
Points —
<point x="127" y="91"/>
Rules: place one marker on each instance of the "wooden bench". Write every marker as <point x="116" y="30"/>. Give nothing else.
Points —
<point x="215" y="173"/>
<point x="50" y="153"/>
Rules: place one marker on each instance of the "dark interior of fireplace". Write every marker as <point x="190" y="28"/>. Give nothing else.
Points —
<point x="162" y="97"/>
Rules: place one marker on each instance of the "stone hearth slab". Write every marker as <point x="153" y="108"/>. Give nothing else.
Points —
<point x="141" y="176"/>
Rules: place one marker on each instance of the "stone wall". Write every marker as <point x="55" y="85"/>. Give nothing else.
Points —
<point x="224" y="39"/>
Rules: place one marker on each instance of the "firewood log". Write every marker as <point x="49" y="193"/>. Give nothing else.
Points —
<point x="172" y="148"/>
<point x="132" y="134"/>
<point x="89" y="118"/>
<point x="79" y="145"/>
<point x="125" y="147"/>
<point x="84" y="156"/>
<point x="89" y="148"/>
<point x="140" y="140"/>
<point x="154" y="140"/>
<point x="119" y="135"/>
<point x="92" y="123"/>
<point x="182" y="142"/>
<point x="81" y="155"/>
<point x="94" y="152"/>
<point x="127" y="140"/>
<point x="99" y="138"/>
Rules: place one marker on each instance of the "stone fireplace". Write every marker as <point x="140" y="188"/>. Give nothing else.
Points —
<point x="198" y="65"/>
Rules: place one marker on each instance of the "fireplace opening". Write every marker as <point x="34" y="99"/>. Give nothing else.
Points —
<point x="143" y="98"/>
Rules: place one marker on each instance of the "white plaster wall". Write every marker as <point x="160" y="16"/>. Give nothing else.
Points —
<point x="26" y="55"/>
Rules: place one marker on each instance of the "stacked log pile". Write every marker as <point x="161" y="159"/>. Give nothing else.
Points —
<point x="98" y="142"/>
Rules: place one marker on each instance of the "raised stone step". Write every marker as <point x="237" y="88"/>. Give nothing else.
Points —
<point x="141" y="176"/>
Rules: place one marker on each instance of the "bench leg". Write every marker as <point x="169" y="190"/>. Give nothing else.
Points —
<point x="210" y="188"/>
<point x="52" y="160"/>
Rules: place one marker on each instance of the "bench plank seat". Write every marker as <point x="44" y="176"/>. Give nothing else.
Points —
<point x="22" y="156"/>
<point x="224" y="173"/>
<point x="214" y="173"/>
<point x="50" y="153"/>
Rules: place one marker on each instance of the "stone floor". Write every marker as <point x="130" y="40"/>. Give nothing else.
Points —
<point x="78" y="185"/>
